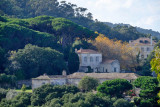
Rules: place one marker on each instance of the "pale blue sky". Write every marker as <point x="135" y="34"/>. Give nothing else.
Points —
<point x="141" y="13"/>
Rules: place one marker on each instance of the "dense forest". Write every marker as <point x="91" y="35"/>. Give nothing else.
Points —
<point x="79" y="15"/>
<point x="61" y="28"/>
<point x="40" y="36"/>
<point x="109" y="94"/>
<point x="42" y="39"/>
<point x="141" y="30"/>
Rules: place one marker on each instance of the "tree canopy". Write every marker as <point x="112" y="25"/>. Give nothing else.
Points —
<point x="149" y="88"/>
<point x="88" y="83"/>
<point x="79" y="15"/>
<point x="35" y="61"/>
<point x="114" y="87"/>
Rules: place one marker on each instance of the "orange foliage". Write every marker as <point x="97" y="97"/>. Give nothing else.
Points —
<point x="116" y="50"/>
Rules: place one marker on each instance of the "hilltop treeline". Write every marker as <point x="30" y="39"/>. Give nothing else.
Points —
<point x="79" y="15"/>
<point x="33" y="46"/>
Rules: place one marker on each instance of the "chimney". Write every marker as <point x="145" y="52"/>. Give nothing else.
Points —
<point x="44" y="74"/>
<point x="151" y="40"/>
<point x="81" y="49"/>
<point x="76" y="50"/>
<point x="64" y="73"/>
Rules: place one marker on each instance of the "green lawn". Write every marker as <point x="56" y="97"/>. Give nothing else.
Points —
<point x="28" y="90"/>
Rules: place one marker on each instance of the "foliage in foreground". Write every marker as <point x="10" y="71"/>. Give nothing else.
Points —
<point x="33" y="61"/>
<point x="114" y="87"/>
<point x="59" y="96"/>
<point x="149" y="89"/>
<point x="88" y="83"/>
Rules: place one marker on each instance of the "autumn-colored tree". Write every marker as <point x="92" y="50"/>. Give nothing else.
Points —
<point x="115" y="49"/>
<point x="155" y="66"/>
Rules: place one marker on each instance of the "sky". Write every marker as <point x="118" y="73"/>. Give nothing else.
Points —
<point x="140" y="13"/>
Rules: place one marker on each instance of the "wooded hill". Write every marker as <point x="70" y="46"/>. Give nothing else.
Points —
<point x="27" y="46"/>
<point x="141" y="30"/>
<point x="44" y="31"/>
<point x="79" y="15"/>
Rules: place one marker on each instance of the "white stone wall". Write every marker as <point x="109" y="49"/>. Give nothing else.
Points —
<point x="93" y="63"/>
<point x="38" y="83"/>
<point x="143" y="50"/>
<point x="73" y="81"/>
<point x="58" y="81"/>
<point x="110" y="67"/>
<point x="76" y="81"/>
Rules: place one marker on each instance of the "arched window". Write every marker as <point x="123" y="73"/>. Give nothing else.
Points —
<point x="91" y="59"/>
<point x="85" y="59"/>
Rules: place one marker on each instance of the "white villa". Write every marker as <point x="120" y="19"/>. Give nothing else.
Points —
<point x="93" y="59"/>
<point x="144" y="46"/>
<point x="73" y="79"/>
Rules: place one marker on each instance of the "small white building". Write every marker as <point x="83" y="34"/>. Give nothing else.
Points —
<point x="143" y="46"/>
<point x="110" y="66"/>
<point x="74" y="79"/>
<point x="89" y="58"/>
<point x="93" y="59"/>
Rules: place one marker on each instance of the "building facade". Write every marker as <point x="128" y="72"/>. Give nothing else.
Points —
<point x="143" y="46"/>
<point x="93" y="59"/>
<point x="110" y="66"/>
<point x="74" y="79"/>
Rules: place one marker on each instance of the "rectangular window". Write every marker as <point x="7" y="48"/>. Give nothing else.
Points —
<point x="106" y="70"/>
<point x="85" y="59"/>
<point x="115" y="69"/>
<point x="97" y="59"/>
<point x="142" y="49"/>
<point x="91" y="59"/>
<point x="148" y="49"/>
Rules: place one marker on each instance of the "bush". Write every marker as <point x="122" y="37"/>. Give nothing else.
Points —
<point x="11" y="94"/>
<point x="149" y="89"/>
<point x="21" y="100"/>
<point x="137" y="101"/>
<point x="23" y="87"/>
<point x="7" y="80"/>
<point x="3" y="93"/>
<point x="122" y="103"/>
<point x="114" y="87"/>
<point x="145" y="103"/>
<point x="47" y="92"/>
<point x="88" y="83"/>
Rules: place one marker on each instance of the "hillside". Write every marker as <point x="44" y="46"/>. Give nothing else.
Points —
<point x="79" y="15"/>
<point x="34" y="30"/>
<point x="26" y="45"/>
<point x="141" y="30"/>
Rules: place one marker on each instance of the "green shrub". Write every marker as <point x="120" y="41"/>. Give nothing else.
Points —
<point x="11" y="94"/>
<point x="88" y="83"/>
<point x="145" y="103"/>
<point x="23" y="87"/>
<point x="137" y="101"/>
<point x="3" y="93"/>
<point x="122" y="103"/>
